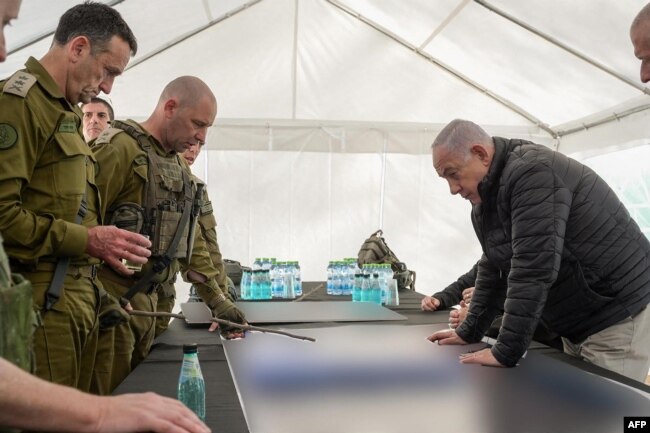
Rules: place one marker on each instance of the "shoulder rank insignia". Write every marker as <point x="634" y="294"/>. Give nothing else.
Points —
<point x="107" y="135"/>
<point x="19" y="84"/>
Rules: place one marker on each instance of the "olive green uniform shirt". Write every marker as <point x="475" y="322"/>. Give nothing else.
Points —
<point x="45" y="169"/>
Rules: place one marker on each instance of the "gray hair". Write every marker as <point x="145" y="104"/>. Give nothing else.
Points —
<point x="459" y="135"/>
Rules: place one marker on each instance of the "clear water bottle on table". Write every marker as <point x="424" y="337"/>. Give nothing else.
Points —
<point x="191" y="386"/>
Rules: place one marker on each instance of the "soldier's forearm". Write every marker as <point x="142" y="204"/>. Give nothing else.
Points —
<point x="207" y="289"/>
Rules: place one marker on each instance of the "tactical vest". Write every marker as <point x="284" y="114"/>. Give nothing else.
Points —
<point x="168" y="191"/>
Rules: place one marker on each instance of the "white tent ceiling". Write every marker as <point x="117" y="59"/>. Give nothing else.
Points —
<point x="548" y="68"/>
<point x="327" y="108"/>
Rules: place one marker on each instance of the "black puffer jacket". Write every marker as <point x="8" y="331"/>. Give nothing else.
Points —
<point x="453" y="293"/>
<point x="557" y="240"/>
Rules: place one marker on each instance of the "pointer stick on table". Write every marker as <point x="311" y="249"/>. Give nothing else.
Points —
<point x="222" y="322"/>
<point x="303" y="297"/>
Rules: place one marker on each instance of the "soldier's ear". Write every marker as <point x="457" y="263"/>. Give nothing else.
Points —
<point x="78" y="47"/>
<point x="170" y="107"/>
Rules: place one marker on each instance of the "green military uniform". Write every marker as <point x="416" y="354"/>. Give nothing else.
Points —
<point x="141" y="191"/>
<point x="16" y="315"/>
<point x="46" y="169"/>
<point x="166" y="302"/>
<point x="208" y="227"/>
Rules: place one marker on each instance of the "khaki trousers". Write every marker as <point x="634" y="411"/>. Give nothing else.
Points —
<point x="166" y="305"/>
<point x="122" y="348"/>
<point x="623" y="347"/>
<point x="65" y="344"/>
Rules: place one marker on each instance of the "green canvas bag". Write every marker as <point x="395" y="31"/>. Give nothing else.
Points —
<point x="375" y="250"/>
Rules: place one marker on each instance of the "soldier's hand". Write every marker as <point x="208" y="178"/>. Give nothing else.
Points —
<point x="111" y="313"/>
<point x="226" y="310"/>
<point x="112" y="245"/>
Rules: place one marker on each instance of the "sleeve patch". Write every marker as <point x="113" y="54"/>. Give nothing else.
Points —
<point x="8" y="136"/>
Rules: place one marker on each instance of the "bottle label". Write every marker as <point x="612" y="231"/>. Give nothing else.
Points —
<point x="191" y="368"/>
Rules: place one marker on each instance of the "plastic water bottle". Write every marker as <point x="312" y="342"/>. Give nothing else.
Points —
<point x="257" y="264"/>
<point x="297" y="278"/>
<point x="354" y="270"/>
<point x="343" y="275"/>
<point x="365" y="288"/>
<point x="375" y="289"/>
<point x="256" y="284"/>
<point x="356" y="289"/>
<point x="245" y="285"/>
<point x="266" y="284"/>
<point x="191" y="387"/>
<point x="289" y="282"/>
<point x="385" y="276"/>
<point x="337" y="282"/>
<point x="330" y="278"/>
<point x="277" y="280"/>
<point x="351" y="263"/>
<point x="346" y="281"/>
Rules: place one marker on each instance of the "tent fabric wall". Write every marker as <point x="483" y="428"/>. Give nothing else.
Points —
<point x="319" y="202"/>
<point x="327" y="108"/>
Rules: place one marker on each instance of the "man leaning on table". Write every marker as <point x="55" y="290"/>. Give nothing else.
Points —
<point x="558" y="246"/>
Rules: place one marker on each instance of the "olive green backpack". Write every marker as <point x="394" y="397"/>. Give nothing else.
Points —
<point x="375" y="250"/>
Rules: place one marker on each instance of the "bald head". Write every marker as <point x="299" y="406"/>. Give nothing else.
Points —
<point x="184" y="113"/>
<point x="640" y="36"/>
<point x="642" y="18"/>
<point x="187" y="90"/>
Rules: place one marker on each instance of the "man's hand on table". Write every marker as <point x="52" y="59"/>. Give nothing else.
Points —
<point x="449" y="337"/>
<point x="429" y="303"/>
